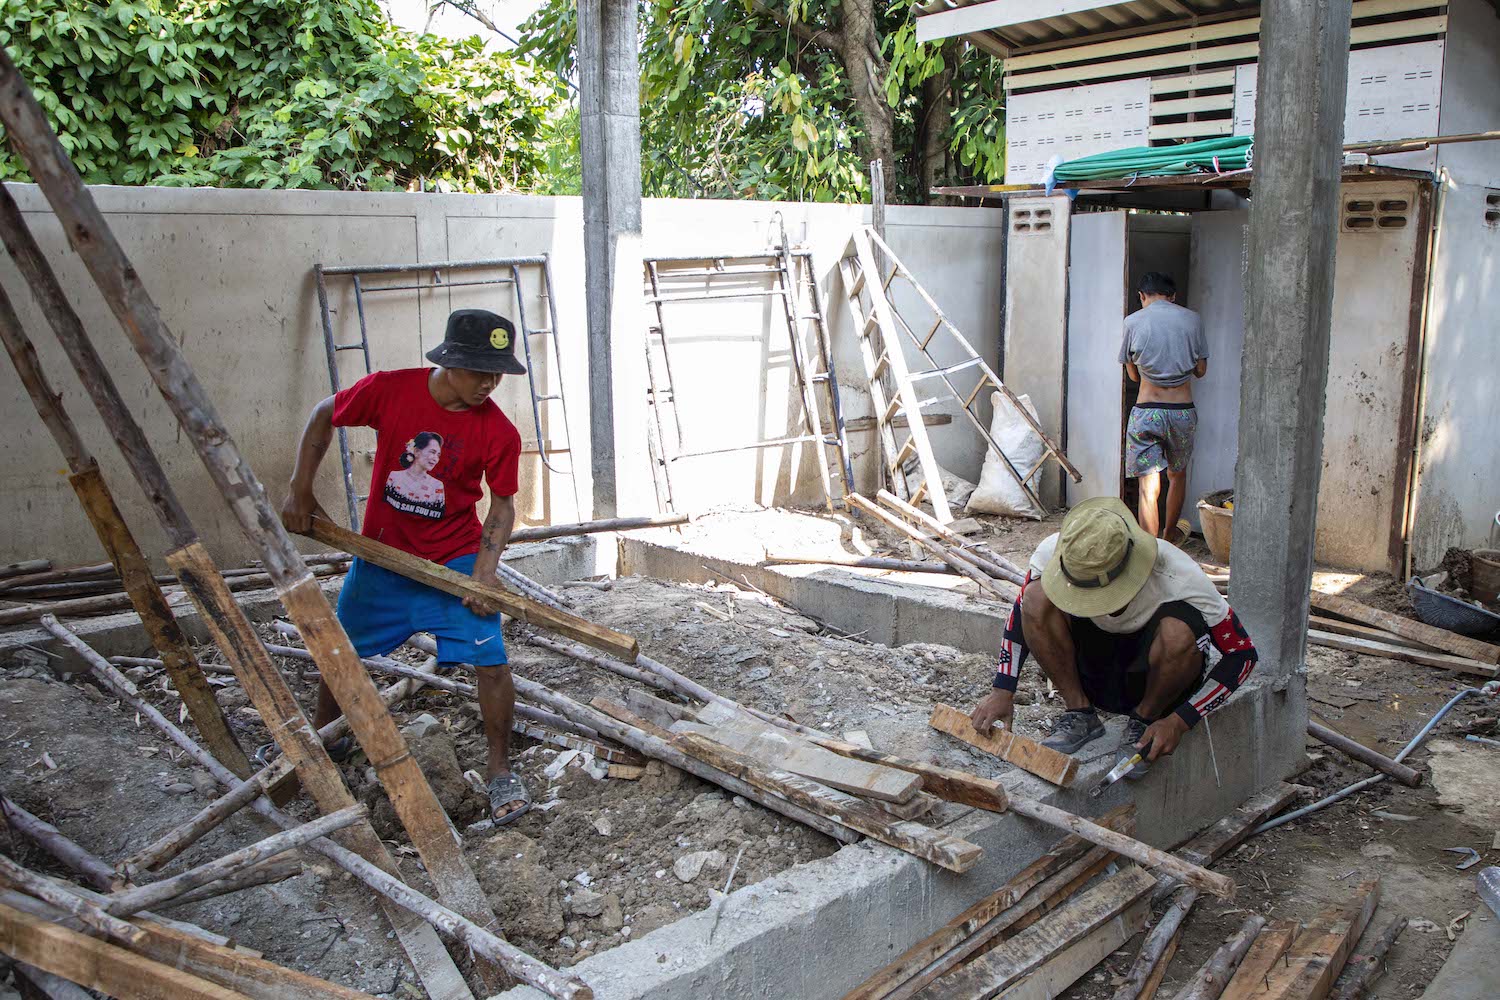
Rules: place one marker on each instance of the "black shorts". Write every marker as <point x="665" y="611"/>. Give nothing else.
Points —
<point x="1113" y="666"/>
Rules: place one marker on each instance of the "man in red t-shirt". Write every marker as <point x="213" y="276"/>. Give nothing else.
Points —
<point x="437" y="435"/>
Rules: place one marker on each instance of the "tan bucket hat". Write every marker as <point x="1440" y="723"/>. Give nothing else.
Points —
<point x="1102" y="560"/>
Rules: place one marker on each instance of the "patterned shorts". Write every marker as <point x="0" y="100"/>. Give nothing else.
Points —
<point x="1159" y="436"/>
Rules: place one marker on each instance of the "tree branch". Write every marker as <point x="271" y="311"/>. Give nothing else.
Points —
<point x="820" y="37"/>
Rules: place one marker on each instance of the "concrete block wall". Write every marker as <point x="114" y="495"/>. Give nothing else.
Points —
<point x="232" y="273"/>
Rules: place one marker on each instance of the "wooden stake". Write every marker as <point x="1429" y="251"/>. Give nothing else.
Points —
<point x="1363" y="754"/>
<point x="264" y="873"/>
<point x="1150" y="964"/>
<point x="89" y="914"/>
<point x="451" y="582"/>
<point x="178" y="839"/>
<point x="941" y="849"/>
<point x="1210" y="882"/>
<point x="589" y="527"/>
<point x="35" y="144"/>
<point x="1214" y="975"/>
<point x="25" y="566"/>
<point x="1029" y="755"/>
<point x="1368" y="966"/>
<point x="120" y="545"/>
<point x="89" y="962"/>
<point x="963" y="567"/>
<point x="389" y="887"/>
<point x="133" y="900"/>
<point x="993" y="564"/>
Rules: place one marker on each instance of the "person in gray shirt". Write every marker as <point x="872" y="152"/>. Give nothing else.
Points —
<point x="1164" y="350"/>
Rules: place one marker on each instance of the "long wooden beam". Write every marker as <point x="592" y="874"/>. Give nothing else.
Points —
<point x="1431" y="635"/>
<point x="450" y="582"/>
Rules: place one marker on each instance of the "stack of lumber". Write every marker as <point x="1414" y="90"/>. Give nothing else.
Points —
<point x="1292" y="961"/>
<point x="1055" y="920"/>
<point x="989" y="571"/>
<point x="1339" y="622"/>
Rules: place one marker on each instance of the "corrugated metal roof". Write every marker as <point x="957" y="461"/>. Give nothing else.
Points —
<point x="1098" y="23"/>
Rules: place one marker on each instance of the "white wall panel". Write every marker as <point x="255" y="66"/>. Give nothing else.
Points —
<point x="1073" y="122"/>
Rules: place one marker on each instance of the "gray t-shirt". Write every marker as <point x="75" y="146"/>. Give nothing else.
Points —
<point x="1165" y="341"/>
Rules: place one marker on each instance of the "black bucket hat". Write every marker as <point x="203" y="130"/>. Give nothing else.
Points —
<point x="479" y="340"/>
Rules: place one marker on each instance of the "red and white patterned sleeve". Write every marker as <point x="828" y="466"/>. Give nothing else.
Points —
<point x="1012" y="646"/>
<point x="1236" y="658"/>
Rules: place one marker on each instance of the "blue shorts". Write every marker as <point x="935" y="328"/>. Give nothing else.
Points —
<point x="380" y="610"/>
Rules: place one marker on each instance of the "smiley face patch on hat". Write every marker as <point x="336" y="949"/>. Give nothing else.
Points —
<point x="499" y="338"/>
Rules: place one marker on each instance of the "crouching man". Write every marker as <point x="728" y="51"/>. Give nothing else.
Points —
<point x="1121" y="623"/>
<point x="437" y="436"/>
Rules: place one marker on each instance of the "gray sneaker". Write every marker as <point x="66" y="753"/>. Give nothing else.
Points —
<point x="1134" y="730"/>
<point x="1073" y="730"/>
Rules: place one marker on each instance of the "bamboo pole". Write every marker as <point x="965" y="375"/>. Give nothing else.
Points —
<point x="25" y="566"/>
<point x="1156" y="950"/>
<point x="36" y="145"/>
<point x="133" y="900"/>
<point x="178" y="839"/>
<point x="91" y="572"/>
<point x="120" y="545"/>
<point x="385" y="883"/>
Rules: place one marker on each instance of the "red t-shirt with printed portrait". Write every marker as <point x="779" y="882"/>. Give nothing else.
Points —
<point x="429" y="463"/>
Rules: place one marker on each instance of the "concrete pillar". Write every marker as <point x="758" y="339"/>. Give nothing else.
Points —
<point x="610" y="144"/>
<point x="1299" y="129"/>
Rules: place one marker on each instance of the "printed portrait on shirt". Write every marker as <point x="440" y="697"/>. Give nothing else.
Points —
<point x="412" y="488"/>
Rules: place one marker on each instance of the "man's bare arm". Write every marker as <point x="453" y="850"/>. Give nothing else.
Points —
<point x="492" y="541"/>
<point x="1132" y="371"/>
<point x="317" y="435"/>
<point x="1201" y="368"/>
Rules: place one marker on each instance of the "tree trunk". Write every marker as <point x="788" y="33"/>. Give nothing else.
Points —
<point x="858" y="43"/>
<point x="932" y="133"/>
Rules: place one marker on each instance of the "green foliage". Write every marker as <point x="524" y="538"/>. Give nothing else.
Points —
<point x="737" y="104"/>
<point x="275" y="93"/>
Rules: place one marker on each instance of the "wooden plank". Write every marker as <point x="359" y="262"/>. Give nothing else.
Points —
<point x="1073" y="963"/>
<point x="788" y="752"/>
<point x="234" y="968"/>
<point x="89" y="962"/>
<point x="921" y="804"/>
<point x="1319" y="952"/>
<point x="941" y="849"/>
<point x="1029" y="755"/>
<point x="1234" y="52"/>
<point x="1230" y="831"/>
<point x="1437" y="638"/>
<point x="1193" y="130"/>
<point x="452" y="582"/>
<point x="1368" y="647"/>
<point x="946" y="783"/>
<point x="1029" y="950"/>
<point x="1192" y="105"/>
<point x="1358" y="631"/>
<point x="964" y="926"/>
<point x="623" y="714"/>
<point x="1264" y="955"/>
<point x="1195" y="35"/>
<point x="1206" y="80"/>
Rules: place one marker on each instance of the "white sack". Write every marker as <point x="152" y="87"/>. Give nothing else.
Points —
<point x="998" y="491"/>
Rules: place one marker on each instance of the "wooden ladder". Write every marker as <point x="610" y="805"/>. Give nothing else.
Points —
<point x="890" y="382"/>
<point x="972" y="363"/>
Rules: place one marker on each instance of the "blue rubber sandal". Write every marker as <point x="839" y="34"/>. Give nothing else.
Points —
<point x="502" y="790"/>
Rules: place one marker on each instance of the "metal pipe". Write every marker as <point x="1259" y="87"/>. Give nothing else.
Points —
<point x="1489" y="690"/>
<point x="439" y="265"/>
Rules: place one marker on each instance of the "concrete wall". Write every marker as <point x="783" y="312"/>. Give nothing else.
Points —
<point x="1459" y="451"/>
<point x="1471" y="91"/>
<point x="232" y="272"/>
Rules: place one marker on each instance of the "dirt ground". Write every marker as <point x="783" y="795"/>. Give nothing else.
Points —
<point x="601" y="860"/>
